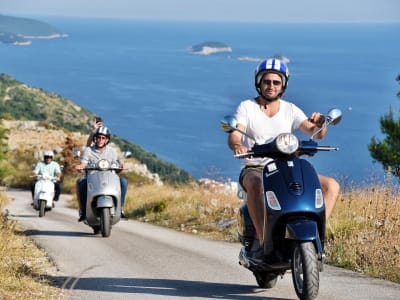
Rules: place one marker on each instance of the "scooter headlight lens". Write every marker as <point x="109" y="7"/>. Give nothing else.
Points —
<point x="287" y="143"/>
<point x="103" y="164"/>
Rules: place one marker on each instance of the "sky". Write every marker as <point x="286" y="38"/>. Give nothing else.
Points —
<point x="213" y="10"/>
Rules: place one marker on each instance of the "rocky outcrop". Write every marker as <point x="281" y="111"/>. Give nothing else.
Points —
<point x="210" y="48"/>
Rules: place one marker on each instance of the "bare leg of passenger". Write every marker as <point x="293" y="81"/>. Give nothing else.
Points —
<point x="331" y="190"/>
<point x="253" y="184"/>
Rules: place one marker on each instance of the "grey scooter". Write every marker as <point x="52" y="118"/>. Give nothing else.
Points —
<point x="103" y="201"/>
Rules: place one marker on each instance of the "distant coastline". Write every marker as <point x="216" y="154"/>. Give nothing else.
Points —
<point x="21" y="31"/>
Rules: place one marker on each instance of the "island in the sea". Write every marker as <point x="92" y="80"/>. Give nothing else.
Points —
<point x="207" y="48"/>
<point x="21" y="31"/>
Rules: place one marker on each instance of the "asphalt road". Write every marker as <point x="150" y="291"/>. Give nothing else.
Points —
<point x="142" y="261"/>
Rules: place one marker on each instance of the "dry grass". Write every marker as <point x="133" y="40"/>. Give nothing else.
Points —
<point x="191" y="208"/>
<point x="204" y="211"/>
<point x="363" y="233"/>
<point x="23" y="267"/>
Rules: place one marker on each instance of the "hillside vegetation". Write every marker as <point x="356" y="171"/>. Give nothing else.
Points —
<point x="19" y="101"/>
<point x="19" y="31"/>
<point x="26" y="26"/>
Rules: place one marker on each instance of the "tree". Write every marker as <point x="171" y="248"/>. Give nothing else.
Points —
<point x="68" y="155"/>
<point x="3" y="141"/>
<point x="387" y="152"/>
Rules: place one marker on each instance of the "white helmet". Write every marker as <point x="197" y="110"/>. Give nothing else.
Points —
<point x="48" y="153"/>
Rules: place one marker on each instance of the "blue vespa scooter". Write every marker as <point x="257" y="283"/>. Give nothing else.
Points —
<point x="294" y="214"/>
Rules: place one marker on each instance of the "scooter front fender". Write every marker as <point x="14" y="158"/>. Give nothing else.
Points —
<point x="105" y="201"/>
<point x="304" y="230"/>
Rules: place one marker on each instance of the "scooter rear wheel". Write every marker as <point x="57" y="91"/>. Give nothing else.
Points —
<point x="42" y="208"/>
<point x="305" y="271"/>
<point x="266" y="280"/>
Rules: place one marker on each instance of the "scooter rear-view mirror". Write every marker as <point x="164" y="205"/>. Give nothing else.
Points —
<point x="229" y="123"/>
<point x="334" y="116"/>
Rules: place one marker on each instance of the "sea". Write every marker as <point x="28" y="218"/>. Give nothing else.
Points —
<point x="143" y="80"/>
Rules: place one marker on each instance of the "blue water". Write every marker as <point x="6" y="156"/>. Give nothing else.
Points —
<point x="142" y="79"/>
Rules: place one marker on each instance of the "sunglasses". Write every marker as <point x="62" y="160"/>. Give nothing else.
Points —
<point x="270" y="82"/>
<point x="48" y="157"/>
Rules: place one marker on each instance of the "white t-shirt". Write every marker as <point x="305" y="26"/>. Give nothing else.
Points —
<point x="263" y="128"/>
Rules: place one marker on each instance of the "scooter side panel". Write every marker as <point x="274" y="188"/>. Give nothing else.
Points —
<point x="105" y="183"/>
<point x="294" y="183"/>
<point x="44" y="190"/>
<point x="100" y="184"/>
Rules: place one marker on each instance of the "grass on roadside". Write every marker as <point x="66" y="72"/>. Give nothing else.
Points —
<point x="23" y="266"/>
<point x="191" y="208"/>
<point x="363" y="232"/>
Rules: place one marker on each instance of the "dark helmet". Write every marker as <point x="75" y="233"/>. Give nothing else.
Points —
<point x="272" y="65"/>
<point x="102" y="131"/>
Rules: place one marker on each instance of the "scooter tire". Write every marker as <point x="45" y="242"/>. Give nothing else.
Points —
<point x="105" y="222"/>
<point x="42" y="208"/>
<point x="266" y="280"/>
<point x="305" y="272"/>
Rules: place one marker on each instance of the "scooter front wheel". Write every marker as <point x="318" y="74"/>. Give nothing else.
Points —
<point x="305" y="271"/>
<point x="105" y="221"/>
<point x="42" y="208"/>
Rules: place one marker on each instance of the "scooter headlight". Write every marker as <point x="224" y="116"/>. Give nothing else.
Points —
<point x="287" y="143"/>
<point x="103" y="164"/>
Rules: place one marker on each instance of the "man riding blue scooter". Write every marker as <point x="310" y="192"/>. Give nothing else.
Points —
<point x="263" y="118"/>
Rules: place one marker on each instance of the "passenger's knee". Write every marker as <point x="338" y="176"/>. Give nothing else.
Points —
<point x="330" y="186"/>
<point x="333" y="186"/>
<point x="252" y="183"/>
<point x="336" y="187"/>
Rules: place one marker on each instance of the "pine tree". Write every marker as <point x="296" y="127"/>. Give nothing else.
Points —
<point x="387" y="152"/>
<point x="3" y="141"/>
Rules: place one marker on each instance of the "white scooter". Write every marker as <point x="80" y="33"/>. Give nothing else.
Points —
<point x="103" y="201"/>
<point x="44" y="193"/>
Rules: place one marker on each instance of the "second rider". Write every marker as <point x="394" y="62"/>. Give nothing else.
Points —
<point x="99" y="150"/>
